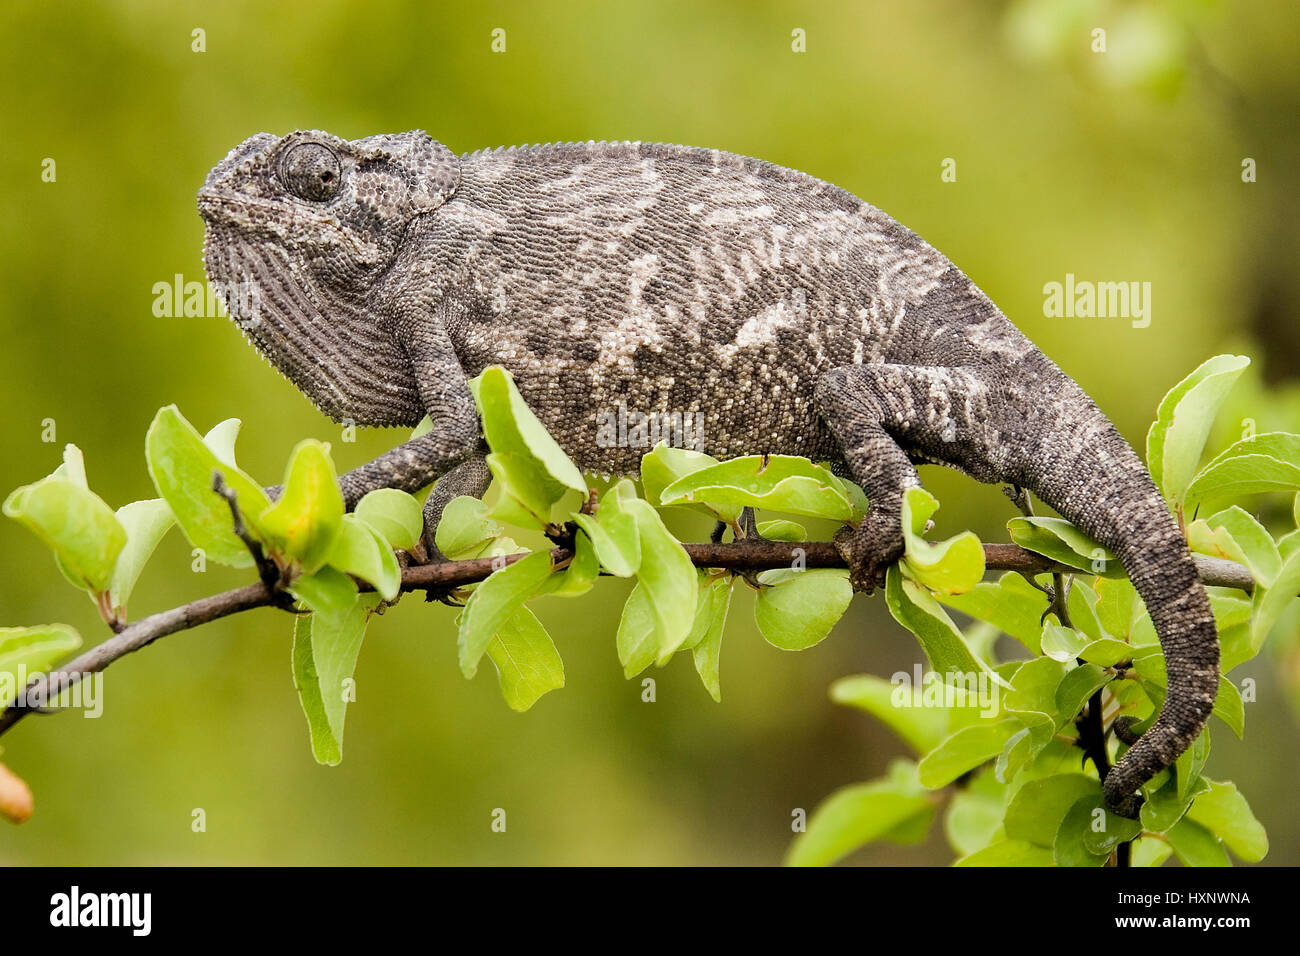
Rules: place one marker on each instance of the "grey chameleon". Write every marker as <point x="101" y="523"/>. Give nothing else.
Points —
<point x="796" y="318"/>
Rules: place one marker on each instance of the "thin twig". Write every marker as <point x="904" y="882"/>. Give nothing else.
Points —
<point x="440" y="576"/>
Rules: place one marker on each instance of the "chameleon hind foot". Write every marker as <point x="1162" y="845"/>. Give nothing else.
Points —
<point x="869" y="550"/>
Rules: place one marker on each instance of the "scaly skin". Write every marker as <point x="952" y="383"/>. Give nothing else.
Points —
<point x="793" y="317"/>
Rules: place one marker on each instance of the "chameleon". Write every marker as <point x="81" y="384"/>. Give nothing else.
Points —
<point x="381" y="274"/>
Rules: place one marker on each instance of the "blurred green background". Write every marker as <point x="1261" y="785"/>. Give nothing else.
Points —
<point x="1117" y="166"/>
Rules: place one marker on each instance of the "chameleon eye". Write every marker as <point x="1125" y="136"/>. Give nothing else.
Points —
<point x="311" y="171"/>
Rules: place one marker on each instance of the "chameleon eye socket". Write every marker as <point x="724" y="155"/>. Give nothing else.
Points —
<point x="311" y="171"/>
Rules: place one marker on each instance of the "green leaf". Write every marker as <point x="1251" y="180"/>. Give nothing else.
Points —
<point x="1196" y="846"/>
<point x="1261" y="463"/>
<point x="1081" y="602"/>
<point x="1107" y="830"/>
<point x="1240" y="476"/>
<point x="1061" y="541"/>
<point x="182" y="466"/>
<point x="1168" y="802"/>
<point x="329" y="591"/>
<point x="782" y="531"/>
<point x="396" y="515"/>
<point x="861" y="814"/>
<point x="912" y="606"/>
<point x="1270" y="602"/>
<point x="325" y="650"/>
<point x="1289" y="544"/>
<point x="629" y="538"/>
<point x="303" y="525"/>
<point x="662" y="466"/>
<point x="711" y="621"/>
<point x="464" y="528"/>
<point x="636" y="639"/>
<point x="1107" y="652"/>
<point x="615" y="531"/>
<point x="28" y="651"/>
<point x="1118" y="606"/>
<point x="1009" y="853"/>
<point x="900" y="706"/>
<point x="73" y="467"/>
<point x="1150" y="852"/>
<point x="362" y="551"/>
<point x="1190" y="763"/>
<point x="954" y="566"/>
<point x="1071" y="845"/>
<point x="1020" y="749"/>
<point x="526" y="660"/>
<point x="84" y="534"/>
<point x="1256" y="545"/>
<point x="1037" y="810"/>
<point x="220" y="439"/>
<point x="145" y="523"/>
<point x="1183" y="419"/>
<point x="965" y="750"/>
<point x="1078" y="686"/>
<point x="668" y="578"/>
<point x="423" y="428"/>
<point x="780" y="483"/>
<point x="494" y="602"/>
<point x="1066" y="644"/>
<point x="1062" y="643"/>
<point x="580" y="576"/>
<point x="1233" y="617"/>
<point x="853" y="491"/>
<point x="801" y="607"/>
<point x="1009" y="604"/>
<point x="1032" y="698"/>
<point x="1224" y="812"/>
<point x="535" y="475"/>
<point x="974" y="818"/>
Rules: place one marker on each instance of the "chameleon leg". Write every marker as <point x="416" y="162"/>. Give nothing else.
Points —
<point x="876" y="412"/>
<point x="470" y="477"/>
<point x="455" y="437"/>
<point x="409" y="467"/>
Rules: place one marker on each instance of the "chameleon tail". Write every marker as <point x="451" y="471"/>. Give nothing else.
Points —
<point x="1094" y="479"/>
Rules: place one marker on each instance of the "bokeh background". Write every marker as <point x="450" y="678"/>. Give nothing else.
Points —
<point x="1117" y="166"/>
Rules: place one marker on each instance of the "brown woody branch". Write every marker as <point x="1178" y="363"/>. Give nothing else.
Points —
<point x="747" y="556"/>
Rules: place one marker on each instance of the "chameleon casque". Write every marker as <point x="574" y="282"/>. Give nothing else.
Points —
<point x="796" y="318"/>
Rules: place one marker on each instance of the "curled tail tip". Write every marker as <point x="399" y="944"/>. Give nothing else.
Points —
<point x="1159" y="748"/>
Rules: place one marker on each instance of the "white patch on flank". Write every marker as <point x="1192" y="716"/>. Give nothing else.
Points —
<point x="642" y="270"/>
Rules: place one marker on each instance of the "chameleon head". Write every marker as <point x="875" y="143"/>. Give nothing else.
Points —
<point x="300" y="232"/>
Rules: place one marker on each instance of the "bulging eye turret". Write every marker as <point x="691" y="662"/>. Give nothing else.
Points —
<point x="311" y="171"/>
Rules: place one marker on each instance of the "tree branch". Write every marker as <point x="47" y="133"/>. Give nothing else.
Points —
<point x="749" y="556"/>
